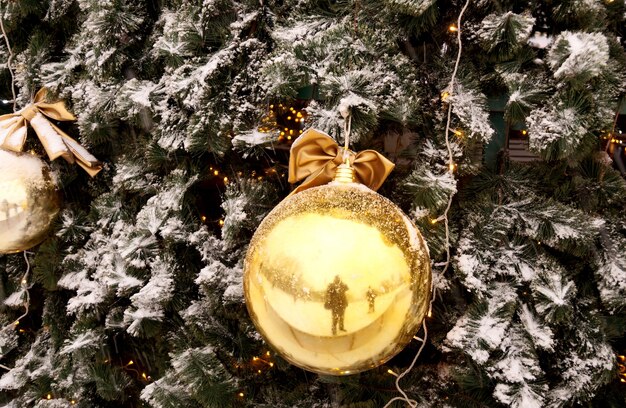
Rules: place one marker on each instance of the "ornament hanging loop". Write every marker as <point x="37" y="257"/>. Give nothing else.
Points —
<point x="345" y="171"/>
<point x="347" y="128"/>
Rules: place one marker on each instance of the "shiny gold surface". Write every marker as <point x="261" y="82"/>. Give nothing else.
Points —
<point x="337" y="279"/>
<point x="29" y="201"/>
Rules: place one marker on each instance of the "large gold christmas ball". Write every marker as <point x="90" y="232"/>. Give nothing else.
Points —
<point x="29" y="201"/>
<point x="337" y="279"/>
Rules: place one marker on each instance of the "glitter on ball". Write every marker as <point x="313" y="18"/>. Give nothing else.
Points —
<point x="337" y="279"/>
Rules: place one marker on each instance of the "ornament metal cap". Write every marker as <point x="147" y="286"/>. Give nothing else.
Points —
<point x="345" y="172"/>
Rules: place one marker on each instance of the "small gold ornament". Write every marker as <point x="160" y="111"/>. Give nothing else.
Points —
<point x="29" y="201"/>
<point x="337" y="278"/>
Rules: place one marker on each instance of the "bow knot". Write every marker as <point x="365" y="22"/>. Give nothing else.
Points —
<point x="315" y="157"/>
<point x="29" y="112"/>
<point x="13" y="129"/>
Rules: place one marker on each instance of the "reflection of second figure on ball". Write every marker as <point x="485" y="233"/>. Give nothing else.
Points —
<point x="337" y="301"/>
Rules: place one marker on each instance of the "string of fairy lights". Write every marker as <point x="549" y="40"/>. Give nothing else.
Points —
<point x="621" y="368"/>
<point x="288" y="122"/>
<point x="444" y="217"/>
<point x="284" y="120"/>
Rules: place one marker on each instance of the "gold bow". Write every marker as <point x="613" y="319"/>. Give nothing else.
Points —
<point x="315" y="157"/>
<point x="13" y="129"/>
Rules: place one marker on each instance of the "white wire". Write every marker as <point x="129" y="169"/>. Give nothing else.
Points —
<point x="9" y="60"/>
<point x="24" y="285"/>
<point x="411" y="402"/>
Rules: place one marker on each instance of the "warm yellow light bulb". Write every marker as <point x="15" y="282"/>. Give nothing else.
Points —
<point x="221" y="222"/>
<point x="524" y="132"/>
<point x="49" y="396"/>
<point x="216" y="172"/>
<point x="241" y="394"/>
<point x="453" y="28"/>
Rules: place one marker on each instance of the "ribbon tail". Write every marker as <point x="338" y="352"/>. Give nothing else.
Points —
<point x="84" y="159"/>
<point x="50" y="138"/>
<point x="92" y="171"/>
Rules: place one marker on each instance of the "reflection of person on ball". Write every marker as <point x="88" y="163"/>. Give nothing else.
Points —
<point x="371" y="298"/>
<point x="337" y="301"/>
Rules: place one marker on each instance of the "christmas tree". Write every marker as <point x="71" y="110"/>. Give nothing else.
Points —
<point x="503" y="120"/>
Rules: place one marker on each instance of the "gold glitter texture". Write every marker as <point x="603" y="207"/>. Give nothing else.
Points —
<point x="337" y="279"/>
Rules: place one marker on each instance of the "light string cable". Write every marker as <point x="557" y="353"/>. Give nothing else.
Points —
<point x="444" y="217"/>
<point x="9" y="64"/>
<point x="25" y="287"/>
<point x="24" y="281"/>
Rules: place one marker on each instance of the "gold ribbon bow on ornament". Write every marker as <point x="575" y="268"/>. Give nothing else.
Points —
<point x="315" y="157"/>
<point x="14" y="126"/>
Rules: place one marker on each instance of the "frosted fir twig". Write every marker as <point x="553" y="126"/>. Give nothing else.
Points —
<point x="24" y="286"/>
<point x="412" y="403"/>
<point x="9" y="60"/>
